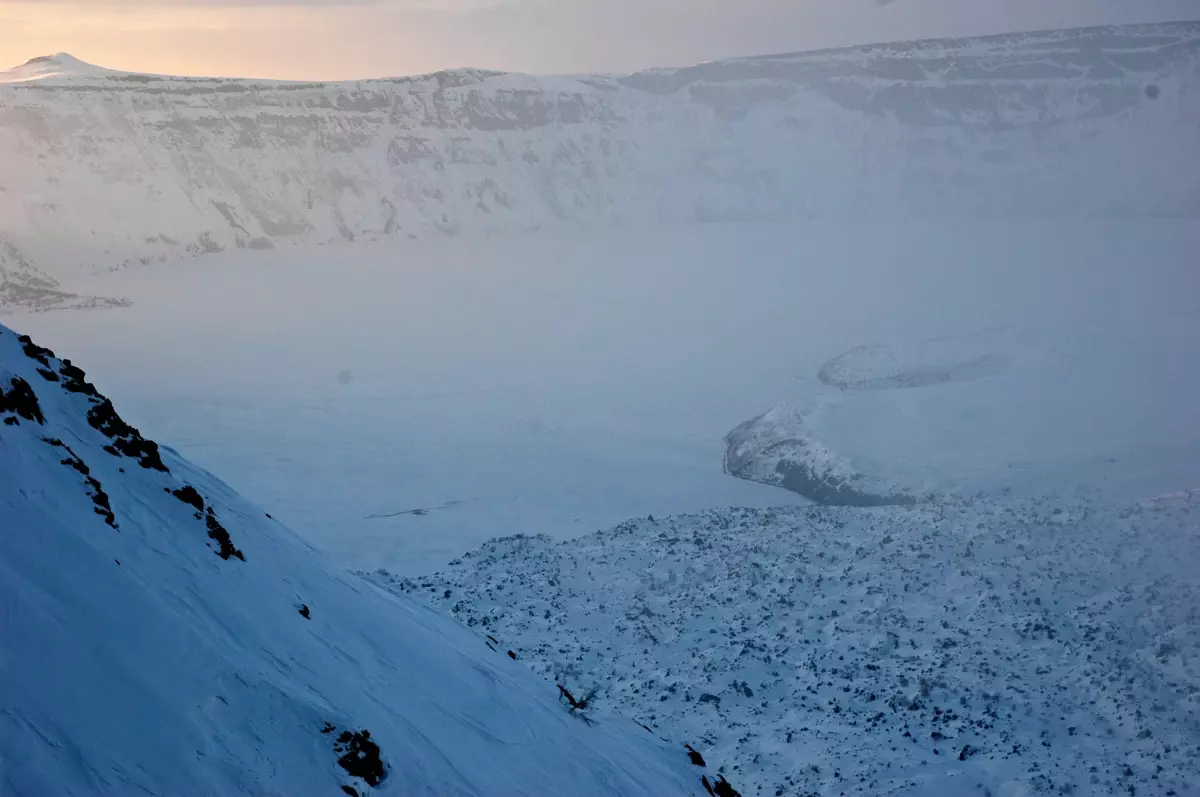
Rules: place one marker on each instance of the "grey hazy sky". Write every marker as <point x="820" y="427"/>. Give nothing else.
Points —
<point x="362" y="38"/>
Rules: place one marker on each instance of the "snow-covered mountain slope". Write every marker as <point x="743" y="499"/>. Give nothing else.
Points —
<point x="979" y="648"/>
<point x="159" y="635"/>
<point x="105" y="168"/>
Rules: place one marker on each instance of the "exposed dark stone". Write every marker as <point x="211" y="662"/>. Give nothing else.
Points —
<point x="304" y="612"/>
<point x="190" y="496"/>
<point x="97" y="494"/>
<point x="579" y="704"/>
<point x="126" y="439"/>
<point x="512" y="655"/>
<point x="76" y="382"/>
<point x="353" y="792"/>
<point x="802" y="478"/>
<point x="21" y="400"/>
<point x="793" y="471"/>
<point x="359" y="756"/>
<point x="34" y="351"/>
<point x="100" y="499"/>
<point x="77" y="464"/>
<point x="47" y="374"/>
<point x="695" y="757"/>
<point x="722" y="788"/>
<point x="217" y="532"/>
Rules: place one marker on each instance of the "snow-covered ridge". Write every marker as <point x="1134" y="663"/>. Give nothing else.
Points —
<point x="160" y="635"/>
<point x="104" y="169"/>
<point x="55" y="68"/>
<point x="968" y="648"/>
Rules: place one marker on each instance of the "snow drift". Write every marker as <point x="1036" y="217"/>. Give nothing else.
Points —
<point x="104" y="168"/>
<point x="159" y="635"/>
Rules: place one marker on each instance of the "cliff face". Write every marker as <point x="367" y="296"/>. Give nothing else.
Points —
<point x="104" y="168"/>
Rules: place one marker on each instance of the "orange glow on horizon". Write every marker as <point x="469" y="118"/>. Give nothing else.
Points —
<point x="265" y="41"/>
<point x="348" y="39"/>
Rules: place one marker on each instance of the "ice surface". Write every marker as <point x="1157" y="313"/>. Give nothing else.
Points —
<point x="555" y="384"/>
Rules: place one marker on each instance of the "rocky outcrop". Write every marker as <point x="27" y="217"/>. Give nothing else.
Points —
<point x="898" y="642"/>
<point x="775" y="449"/>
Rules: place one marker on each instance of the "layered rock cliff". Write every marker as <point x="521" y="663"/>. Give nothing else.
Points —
<point x="102" y="169"/>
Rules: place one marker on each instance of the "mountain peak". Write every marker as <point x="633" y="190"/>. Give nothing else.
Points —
<point x="56" y="66"/>
<point x="57" y="59"/>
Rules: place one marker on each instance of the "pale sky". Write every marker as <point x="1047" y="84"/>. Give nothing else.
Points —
<point x="338" y="39"/>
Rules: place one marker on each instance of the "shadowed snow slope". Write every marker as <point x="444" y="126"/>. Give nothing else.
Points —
<point x="159" y="635"/>
<point x="114" y="168"/>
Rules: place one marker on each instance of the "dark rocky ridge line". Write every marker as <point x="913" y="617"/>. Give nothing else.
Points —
<point x="21" y="401"/>
<point x="103" y="507"/>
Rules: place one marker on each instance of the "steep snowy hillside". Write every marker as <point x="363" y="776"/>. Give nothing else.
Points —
<point x="103" y="169"/>
<point x="158" y="635"/>
<point x="978" y="648"/>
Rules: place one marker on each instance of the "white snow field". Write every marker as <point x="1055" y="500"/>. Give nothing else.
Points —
<point x="970" y="648"/>
<point x="160" y="635"/>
